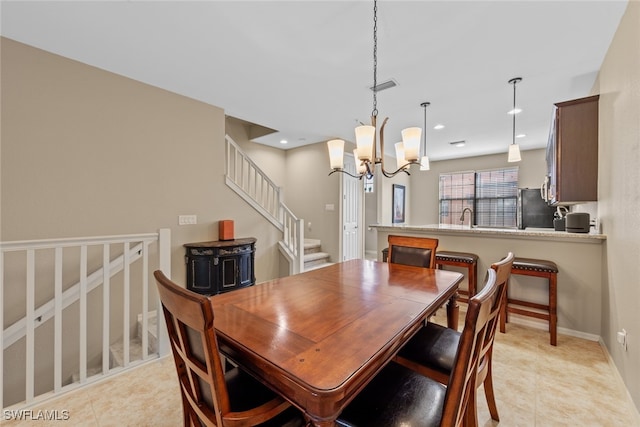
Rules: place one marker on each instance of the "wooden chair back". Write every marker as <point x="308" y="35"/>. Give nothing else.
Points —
<point x="409" y="250"/>
<point x="189" y="319"/>
<point x="462" y="382"/>
<point x="503" y="273"/>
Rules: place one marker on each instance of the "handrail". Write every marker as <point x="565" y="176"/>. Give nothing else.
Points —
<point x="46" y="311"/>
<point x="252" y="184"/>
<point x="259" y="191"/>
<point x="134" y="247"/>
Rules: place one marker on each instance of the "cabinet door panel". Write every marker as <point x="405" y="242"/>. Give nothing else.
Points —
<point x="228" y="275"/>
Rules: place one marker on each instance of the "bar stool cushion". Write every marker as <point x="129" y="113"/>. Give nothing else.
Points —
<point x="465" y="257"/>
<point x="530" y="264"/>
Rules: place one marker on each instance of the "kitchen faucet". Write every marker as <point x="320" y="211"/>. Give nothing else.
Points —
<point x="470" y="216"/>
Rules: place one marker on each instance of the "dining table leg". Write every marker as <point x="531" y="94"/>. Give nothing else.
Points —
<point x="453" y="312"/>
<point x="314" y="423"/>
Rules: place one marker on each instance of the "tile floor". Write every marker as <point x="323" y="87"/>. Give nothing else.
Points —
<point x="536" y="384"/>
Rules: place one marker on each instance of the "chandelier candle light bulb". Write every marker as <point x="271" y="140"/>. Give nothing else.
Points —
<point x="336" y="153"/>
<point x="411" y="142"/>
<point x="365" y="137"/>
<point x="360" y="167"/>
<point x="401" y="160"/>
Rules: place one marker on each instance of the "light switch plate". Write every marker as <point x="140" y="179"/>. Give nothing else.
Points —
<point x="187" y="219"/>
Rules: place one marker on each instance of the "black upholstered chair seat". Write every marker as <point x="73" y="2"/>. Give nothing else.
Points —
<point x="396" y="397"/>
<point x="245" y="393"/>
<point x="434" y="346"/>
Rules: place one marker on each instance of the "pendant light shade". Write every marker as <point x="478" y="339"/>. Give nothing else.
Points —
<point x="411" y="143"/>
<point x="514" y="149"/>
<point x="424" y="163"/>
<point x="401" y="156"/>
<point x="514" y="153"/>
<point x="365" y="138"/>
<point x="336" y="153"/>
<point x="360" y="167"/>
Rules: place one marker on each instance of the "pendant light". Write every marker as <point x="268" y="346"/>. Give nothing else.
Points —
<point x="424" y="161"/>
<point x="514" y="149"/>
<point x="366" y="152"/>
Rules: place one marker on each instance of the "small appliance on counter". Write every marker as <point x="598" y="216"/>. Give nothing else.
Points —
<point x="577" y="222"/>
<point x="560" y="220"/>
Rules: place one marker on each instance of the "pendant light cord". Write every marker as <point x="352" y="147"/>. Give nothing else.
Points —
<point x="374" y="112"/>
<point x="514" y="111"/>
<point x="424" y="134"/>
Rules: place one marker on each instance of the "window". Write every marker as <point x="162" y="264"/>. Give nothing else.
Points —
<point x="491" y="194"/>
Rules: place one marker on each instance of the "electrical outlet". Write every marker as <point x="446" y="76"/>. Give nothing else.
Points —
<point x="187" y="219"/>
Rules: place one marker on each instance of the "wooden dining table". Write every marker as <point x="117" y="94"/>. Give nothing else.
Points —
<point x="317" y="338"/>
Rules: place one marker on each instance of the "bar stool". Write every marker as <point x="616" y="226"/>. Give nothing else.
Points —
<point x="465" y="260"/>
<point x="537" y="268"/>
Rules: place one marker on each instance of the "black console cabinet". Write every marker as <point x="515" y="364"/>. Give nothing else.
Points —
<point x="220" y="266"/>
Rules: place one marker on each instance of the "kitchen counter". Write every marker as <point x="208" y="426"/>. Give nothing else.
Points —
<point x="579" y="257"/>
<point x="548" y="234"/>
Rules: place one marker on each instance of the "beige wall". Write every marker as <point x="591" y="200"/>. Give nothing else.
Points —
<point x="309" y="190"/>
<point x="89" y="153"/>
<point x="619" y="204"/>
<point x="271" y="160"/>
<point x="424" y="185"/>
<point x="86" y="152"/>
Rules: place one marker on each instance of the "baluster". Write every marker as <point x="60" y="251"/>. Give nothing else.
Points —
<point x="57" y="321"/>
<point x="126" y="303"/>
<point x="30" y="300"/>
<point x="83" y="314"/>
<point x="106" y="305"/>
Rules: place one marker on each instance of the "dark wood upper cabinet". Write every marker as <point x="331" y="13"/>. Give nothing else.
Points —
<point x="572" y="152"/>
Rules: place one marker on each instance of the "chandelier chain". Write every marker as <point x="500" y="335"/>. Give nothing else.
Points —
<point x="374" y="112"/>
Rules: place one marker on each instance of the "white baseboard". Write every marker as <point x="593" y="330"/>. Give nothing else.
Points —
<point x="544" y="326"/>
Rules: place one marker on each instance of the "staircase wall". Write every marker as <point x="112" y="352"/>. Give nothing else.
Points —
<point x="86" y="152"/>
<point x="308" y="192"/>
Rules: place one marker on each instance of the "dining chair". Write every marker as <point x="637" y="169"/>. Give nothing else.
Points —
<point x="432" y="351"/>
<point x="211" y="397"/>
<point x="410" y="250"/>
<point x="399" y="396"/>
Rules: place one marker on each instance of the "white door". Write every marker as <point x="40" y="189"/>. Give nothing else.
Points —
<point x="351" y="212"/>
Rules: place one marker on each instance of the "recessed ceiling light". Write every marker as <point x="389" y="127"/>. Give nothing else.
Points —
<point x="521" y="135"/>
<point x="283" y="141"/>
<point x="438" y="126"/>
<point x="515" y="111"/>
<point x="458" y="143"/>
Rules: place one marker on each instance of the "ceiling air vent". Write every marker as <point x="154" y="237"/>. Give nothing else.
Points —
<point x="385" y="85"/>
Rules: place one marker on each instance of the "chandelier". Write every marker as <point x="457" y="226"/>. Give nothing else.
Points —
<point x="366" y="155"/>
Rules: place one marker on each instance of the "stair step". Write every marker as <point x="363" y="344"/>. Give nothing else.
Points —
<point x="117" y="352"/>
<point x="152" y="325"/>
<point x="316" y="266"/>
<point x="315" y="256"/>
<point x="315" y="259"/>
<point x="311" y="246"/>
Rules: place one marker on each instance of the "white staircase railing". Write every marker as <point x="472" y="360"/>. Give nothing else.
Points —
<point x="255" y="187"/>
<point x="31" y="271"/>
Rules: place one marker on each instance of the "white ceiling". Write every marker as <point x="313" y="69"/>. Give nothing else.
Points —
<point x="304" y="68"/>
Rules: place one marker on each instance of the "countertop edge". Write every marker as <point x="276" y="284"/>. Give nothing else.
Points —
<point x="496" y="232"/>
